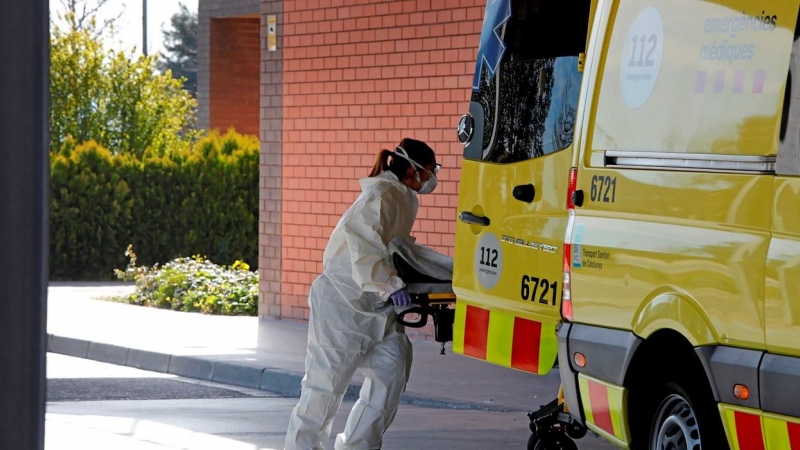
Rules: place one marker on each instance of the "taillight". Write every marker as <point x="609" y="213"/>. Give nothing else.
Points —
<point x="573" y="185"/>
<point x="566" y="290"/>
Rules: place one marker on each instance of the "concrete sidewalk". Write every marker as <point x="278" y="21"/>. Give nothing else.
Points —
<point x="261" y="353"/>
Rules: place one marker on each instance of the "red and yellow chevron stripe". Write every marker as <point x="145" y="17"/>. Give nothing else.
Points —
<point x="504" y="339"/>
<point x="743" y="427"/>
<point x="782" y="432"/>
<point x="752" y="429"/>
<point x="604" y="406"/>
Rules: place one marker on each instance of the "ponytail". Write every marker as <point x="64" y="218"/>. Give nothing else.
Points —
<point x="381" y="163"/>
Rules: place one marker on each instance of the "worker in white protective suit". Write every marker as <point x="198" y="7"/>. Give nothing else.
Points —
<point x="352" y="308"/>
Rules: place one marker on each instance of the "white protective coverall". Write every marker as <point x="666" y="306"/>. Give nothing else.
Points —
<point x="352" y="323"/>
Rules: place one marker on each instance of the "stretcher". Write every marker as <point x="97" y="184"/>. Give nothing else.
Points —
<point x="552" y="427"/>
<point x="432" y="298"/>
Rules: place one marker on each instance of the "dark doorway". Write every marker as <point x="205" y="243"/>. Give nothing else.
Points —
<point x="24" y="97"/>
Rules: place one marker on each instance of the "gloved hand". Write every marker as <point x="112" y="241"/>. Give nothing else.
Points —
<point x="401" y="298"/>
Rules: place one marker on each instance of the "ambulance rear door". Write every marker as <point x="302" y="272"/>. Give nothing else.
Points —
<point x="512" y="204"/>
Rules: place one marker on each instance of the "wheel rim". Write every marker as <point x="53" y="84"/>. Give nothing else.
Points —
<point x="677" y="424"/>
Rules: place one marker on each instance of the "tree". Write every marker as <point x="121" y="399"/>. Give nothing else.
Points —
<point x="180" y="43"/>
<point x="114" y="98"/>
<point x="83" y="13"/>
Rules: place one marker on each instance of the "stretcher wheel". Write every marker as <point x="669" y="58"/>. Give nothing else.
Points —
<point x="556" y="443"/>
<point x="576" y="430"/>
<point x="533" y="442"/>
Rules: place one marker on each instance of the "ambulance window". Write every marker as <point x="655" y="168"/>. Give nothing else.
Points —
<point x="533" y="114"/>
<point x="789" y="147"/>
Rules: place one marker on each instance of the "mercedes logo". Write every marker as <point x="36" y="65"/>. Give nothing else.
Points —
<point x="465" y="128"/>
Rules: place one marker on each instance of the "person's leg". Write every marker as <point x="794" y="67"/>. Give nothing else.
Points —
<point x="386" y="367"/>
<point x="334" y="351"/>
<point x="328" y="372"/>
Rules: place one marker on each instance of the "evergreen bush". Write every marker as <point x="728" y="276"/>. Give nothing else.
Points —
<point x="198" y="201"/>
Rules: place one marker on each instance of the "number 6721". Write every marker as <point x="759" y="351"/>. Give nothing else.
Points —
<point x="539" y="289"/>
<point x="604" y="189"/>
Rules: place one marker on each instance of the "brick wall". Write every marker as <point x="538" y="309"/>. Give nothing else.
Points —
<point x="358" y="76"/>
<point x="207" y="10"/>
<point x="271" y="92"/>
<point x="264" y="84"/>
<point x="234" y="67"/>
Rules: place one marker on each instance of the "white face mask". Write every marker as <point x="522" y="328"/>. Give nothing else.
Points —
<point x="427" y="186"/>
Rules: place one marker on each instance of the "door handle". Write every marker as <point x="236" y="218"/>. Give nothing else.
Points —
<point x="524" y="193"/>
<point x="472" y="219"/>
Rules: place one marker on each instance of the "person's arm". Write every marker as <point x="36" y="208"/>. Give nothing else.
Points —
<point x="367" y="233"/>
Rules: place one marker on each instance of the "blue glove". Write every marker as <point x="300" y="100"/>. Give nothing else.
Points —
<point x="401" y="298"/>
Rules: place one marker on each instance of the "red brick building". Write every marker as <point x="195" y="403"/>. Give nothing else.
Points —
<point x="346" y="79"/>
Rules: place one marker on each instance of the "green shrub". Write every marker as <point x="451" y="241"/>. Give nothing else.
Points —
<point x="203" y="200"/>
<point x="194" y="284"/>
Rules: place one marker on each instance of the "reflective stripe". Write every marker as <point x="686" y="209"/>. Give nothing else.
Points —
<point x="615" y="398"/>
<point x="476" y="332"/>
<point x="504" y="339"/>
<point x="604" y="406"/>
<point x="548" y="346"/>
<point x="744" y="427"/>
<point x="780" y="433"/>
<point x="527" y="340"/>
<point x="748" y="429"/>
<point x="501" y="337"/>
<point x="458" y="329"/>
<point x="794" y="435"/>
<point x="730" y="426"/>
<point x="583" y="386"/>
<point x="776" y="433"/>
<point x="751" y="429"/>
<point x="598" y="395"/>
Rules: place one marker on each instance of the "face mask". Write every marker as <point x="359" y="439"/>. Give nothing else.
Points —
<point x="429" y="185"/>
<point x="426" y="186"/>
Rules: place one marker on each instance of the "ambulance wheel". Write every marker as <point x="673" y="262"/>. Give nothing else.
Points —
<point x="556" y="443"/>
<point x="681" y="423"/>
<point x="675" y="426"/>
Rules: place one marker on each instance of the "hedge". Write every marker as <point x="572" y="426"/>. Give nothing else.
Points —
<point x="203" y="201"/>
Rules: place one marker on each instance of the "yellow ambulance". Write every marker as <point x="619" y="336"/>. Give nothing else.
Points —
<point x="630" y="208"/>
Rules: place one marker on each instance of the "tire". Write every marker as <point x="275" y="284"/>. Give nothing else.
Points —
<point x="533" y="441"/>
<point x="556" y="443"/>
<point x="683" y="423"/>
<point x="576" y="431"/>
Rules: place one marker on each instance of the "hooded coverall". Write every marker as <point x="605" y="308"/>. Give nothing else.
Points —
<point x="352" y="323"/>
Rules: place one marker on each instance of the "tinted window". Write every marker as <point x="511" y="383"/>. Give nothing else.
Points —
<point x="533" y="114"/>
<point x="536" y="109"/>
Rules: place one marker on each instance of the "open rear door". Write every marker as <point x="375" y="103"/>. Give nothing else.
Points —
<point x="514" y="179"/>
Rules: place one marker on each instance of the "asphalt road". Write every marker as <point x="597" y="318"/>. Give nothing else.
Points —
<point x="100" y="406"/>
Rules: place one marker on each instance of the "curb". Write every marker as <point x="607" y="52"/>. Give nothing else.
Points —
<point x="284" y="383"/>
